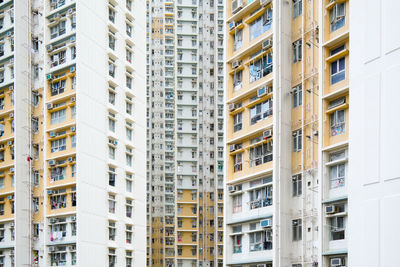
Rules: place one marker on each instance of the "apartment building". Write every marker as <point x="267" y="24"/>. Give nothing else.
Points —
<point x="72" y="174"/>
<point x="287" y="133"/>
<point x="185" y="70"/>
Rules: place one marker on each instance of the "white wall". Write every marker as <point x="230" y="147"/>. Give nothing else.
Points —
<point x="374" y="172"/>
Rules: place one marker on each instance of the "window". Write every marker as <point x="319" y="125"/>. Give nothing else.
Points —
<point x="297" y="51"/>
<point x="128" y="183"/>
<point x="297" y="96"/>
<point x="237" y="80"/>
<point x="237" y="122"/>
<point x="111" y="176"/>
<point x="59" y="258"/>
<point x="111" y="41"/>
<point x="261" y="24"/>
<point x="111" y="69"/>
<point x="111" y="203"/>
<point x="128" y="56"/>
<point x="237" y="203"/>
<point x="58" y="145"/>
<point x="238" y="40"/>
<point x="337" y="227"/>
<point x="337" y="172"/>
<point x="129" y="108"/>
<point x="1" y="182"/>
<point x="260" y="154"/>
<point x="260" y="196"/>
<point x="112" y="258"/>
<point x="129" y="134"/>
<point x="112" y="231"/>
<point x="297" y="185"/>
<point x="58" y="201"/>
<point x="257" y="240"/>
<point x="73" y="141"/>
<point x="111" y="125"/>
<point x="128" y="233"/>
<point x="297" y="230"/>
<point x="128" y="258"/>
<point x="297" y="140"/>
<point x="261" y="111"/>
<point x="57" y="30"/>
<point x="129" y="208"/>
<point x="58" y="116"/>
<point x="128" y="159"/>
<point x="129" y="82"/>
<point x="237" y="243"/>
<point x="57" y="87"/>
<point x="129" y="5"/>
<point x="237" y="162"/>
<point x="337" y="16"/>
<point x="111" y="15"/>
<point x="58" y="59"/>
<point x="338" y="70"/>
<point x="58" y="173"/>
<point x="260" y="68"/>
<point x="297" y="8"/>
<point x="337" y="120"/>
<point x="111" y="97"/>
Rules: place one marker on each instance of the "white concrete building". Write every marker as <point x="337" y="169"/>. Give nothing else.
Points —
<point x="374" y="185"/>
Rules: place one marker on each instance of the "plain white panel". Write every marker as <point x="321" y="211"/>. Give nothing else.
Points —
<point x="390" y="15"/>
<point x="390" y="231"/>
<point x="371" y="230"/>
<point x="372" y="31"/>
<point x="390" y="167"/>
<point x="372" y="90"/>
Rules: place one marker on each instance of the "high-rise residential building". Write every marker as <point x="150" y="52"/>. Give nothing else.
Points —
<point x="287" y="133"/>
<point x="185" y="70"/>
<point x="72" y="156"/>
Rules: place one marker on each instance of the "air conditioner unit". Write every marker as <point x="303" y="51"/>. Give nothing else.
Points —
<point x="10" y="143"/>
<point x="73" y="99"/>
<point x="12" y="60"/>
<point x="52" y="134"/>
<point x="330" y="209"/>
<point x="336" y="262"/>
<point x="231" y="107"/>
<point x="52" y="249"/>
<point x="72" y="39"/>
<point x="71" y="248"/>
<point x="73" y="218"/>
<point x="235" y="64"/>
<point x="70" y="11"/>
<point x="337" y="102"/>
<point x="261" y="91"/>
<point x="49" y="48"/>
<point x="49" y="76"/>
<point x="12" y="252"/>
<point x="70" y="159"/>
<point x="231" y="189"/>
<point x="12" y="224"/>
<point x="50" y="192"/>
<point x="267" y="133"/>
<point x="232" y="148"/>
<point x="50" y="106"/>
<point x="267" y="44"/>
<point x="231" y="25"/>
<point x="261" y="265"/>
<point x="11" y="170"/>
<point x="265" y="2"/>
<point x="266" y="223"/>
<point x="236" y="5"/>
<point x="52" y="220"/>
<point x="11" y="87"/>
<point x="72" y="69"/>
<point x="73" y="128"/>
<point x="11" y="115"/>
<point x="52" y="162"/>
